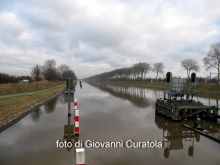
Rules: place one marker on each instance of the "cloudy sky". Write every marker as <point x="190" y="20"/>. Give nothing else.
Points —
<point x="93" y="36"/>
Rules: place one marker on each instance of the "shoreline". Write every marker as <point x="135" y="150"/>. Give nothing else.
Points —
<point x="162" y="86"/>
<point x="27" y="111"/>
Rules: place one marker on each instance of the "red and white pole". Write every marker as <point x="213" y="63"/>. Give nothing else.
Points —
<point x="80" y="156"/>
<point x="75" y="104"/>
<point x="76" y="118"/>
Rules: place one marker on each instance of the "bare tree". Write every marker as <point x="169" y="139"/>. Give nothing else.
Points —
<point x="135" y="70"/>
<point x="145" y="69"/>
<point x="140" y="70"/>
<point x="212" y="60"/>
<point x="158" y="68"/>
<point x="69" y="74"/>
<point x="49" y="70"/>
<point x="36" y="73"/>
<point x="189" y="65"/>
<point x="62" y="68"/>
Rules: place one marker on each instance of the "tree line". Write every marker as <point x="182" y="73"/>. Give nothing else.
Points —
<point x="50" y="72"/>
<point x="139" y="71"/>
<point x="6" y="78"/>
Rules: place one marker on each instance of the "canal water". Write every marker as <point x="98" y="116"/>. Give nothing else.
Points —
<point x="108" y="113"/>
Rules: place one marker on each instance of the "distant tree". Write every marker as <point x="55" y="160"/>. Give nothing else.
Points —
<point x="189" y="65"/>
<point x="158" y="68"/>
<point x="212" y="60"/>
<point x="145" y="68"/>
<point x="36" y="73"/>
<point x="49" y="70"/>
<point x="6" y="78"/>
<point x="50" y="63"/>
<point x="58" y="75"/>
<point x="62" y="68"/>
<point x="135" y="70"/>
<point x="140" y="70"/>
<point x="69" y="74"/>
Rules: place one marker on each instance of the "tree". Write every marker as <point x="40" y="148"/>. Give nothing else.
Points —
<point x="140" y="70"/>
<point x="36" y="73"/>
<point x="62" y="68"/>
<point x="158" y="68"/>
<point x="6" y="78"/>
<point x="212" y="60"/>
<point x="135" y="70"/>
<point x="189" y="65"/>
<point x="69" y="74"/>
<point x="50" y="63"/>
<point x="147" y="68"/>
<point x="49" y="70"/>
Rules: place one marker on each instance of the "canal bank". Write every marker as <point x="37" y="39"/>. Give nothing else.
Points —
<point x="203" y="90"/>
<point x="15" y="108"/>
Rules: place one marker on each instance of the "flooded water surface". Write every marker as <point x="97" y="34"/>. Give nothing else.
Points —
<point x="108" y="113"/>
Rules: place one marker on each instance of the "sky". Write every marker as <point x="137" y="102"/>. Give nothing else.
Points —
<point x="95" y="36"/>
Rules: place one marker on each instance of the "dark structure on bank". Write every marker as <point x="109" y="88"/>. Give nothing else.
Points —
<point x="69" y="98"/>
<point x="179" y="101"/>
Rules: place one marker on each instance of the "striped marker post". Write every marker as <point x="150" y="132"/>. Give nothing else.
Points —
<point x="80" y="156"/>
<point x="76" y="118"/>
<point x="75" y="104"/>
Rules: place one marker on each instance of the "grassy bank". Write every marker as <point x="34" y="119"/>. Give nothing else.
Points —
<point x="141" y="84"/>
<point x="13" y="88"/>
<point x="204" y="90"/>
<point x="12" y="107"/>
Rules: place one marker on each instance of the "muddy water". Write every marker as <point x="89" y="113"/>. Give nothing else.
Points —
<point x="107" y="113"/>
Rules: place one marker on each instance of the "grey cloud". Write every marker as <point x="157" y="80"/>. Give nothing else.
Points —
<point x="104" y="35"/>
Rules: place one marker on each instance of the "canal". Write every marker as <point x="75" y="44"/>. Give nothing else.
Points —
<point x="108" y="113"/>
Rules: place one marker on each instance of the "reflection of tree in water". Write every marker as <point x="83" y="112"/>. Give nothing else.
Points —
<point x="136" y="96"/>
<point x="61" y="99"/>
<point x="176" y="137"/>
<point x="35" y="115"/>
<point x="51" y="105"/>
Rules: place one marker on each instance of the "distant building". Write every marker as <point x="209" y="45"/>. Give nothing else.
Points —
<point x="24" y="81"/>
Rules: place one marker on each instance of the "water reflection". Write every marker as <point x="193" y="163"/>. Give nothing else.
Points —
<point x="176" y="137"/>
<point x="35" y="115"/>
<point x="137" y="96"/>
<point x="104" y="117"/>
<point x="51" y="105"/>
<point x="209" y="127"/>
<point x="216" y="102"/>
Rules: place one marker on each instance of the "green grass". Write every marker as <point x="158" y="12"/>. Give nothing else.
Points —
<point x="204" y="90"/>
<point x="13" y="88"/>
<point x="14" y="106"/>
